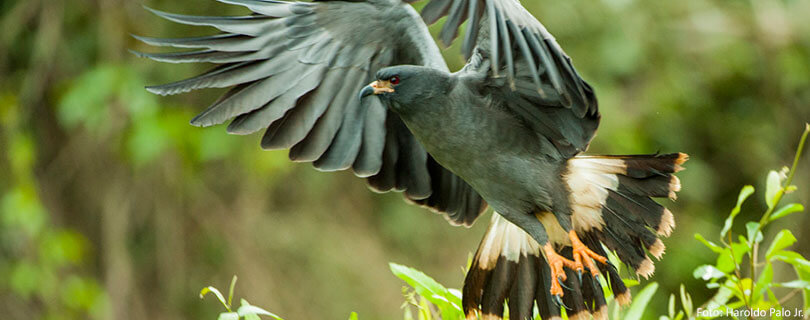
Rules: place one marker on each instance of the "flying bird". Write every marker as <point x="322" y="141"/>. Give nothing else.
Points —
<point x="362" y="85"/>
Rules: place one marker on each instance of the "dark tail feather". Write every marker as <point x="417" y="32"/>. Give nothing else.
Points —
<point x="620" y="291"/>
<point x="509" y="266"/>
<point x="611" y="199"/>
<point x="574" y="300"/>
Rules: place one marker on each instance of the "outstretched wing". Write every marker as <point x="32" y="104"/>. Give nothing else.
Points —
<point x="518" y="45"/>
<point x="295" y="70"/>
<point x="543" y="89"/>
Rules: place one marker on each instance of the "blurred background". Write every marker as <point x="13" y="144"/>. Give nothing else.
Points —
<point x="113" y="207"/>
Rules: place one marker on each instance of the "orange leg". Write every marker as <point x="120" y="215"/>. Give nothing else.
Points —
<point x="556" y="263"/>
<point x="582" y="255"/>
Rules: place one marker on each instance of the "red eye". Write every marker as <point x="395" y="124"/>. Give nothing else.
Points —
<point x="394" y="80"/>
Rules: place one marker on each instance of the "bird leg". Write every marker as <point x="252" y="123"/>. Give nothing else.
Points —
<point x="583" y="256"/>
<point x="556" y="263"/>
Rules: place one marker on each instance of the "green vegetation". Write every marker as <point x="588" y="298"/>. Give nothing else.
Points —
<point x="736" y="296"/>
<point x="748" y="284"/>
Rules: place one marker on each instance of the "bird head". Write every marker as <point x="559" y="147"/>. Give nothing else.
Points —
<point x="401" y="86"/>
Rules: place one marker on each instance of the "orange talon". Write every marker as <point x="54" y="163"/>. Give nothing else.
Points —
<point x="581" y="255"/>
<point x="556" y="263"/>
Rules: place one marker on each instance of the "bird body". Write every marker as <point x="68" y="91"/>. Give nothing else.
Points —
<point x="456" y="124"/>
<point x="507" y="131"/>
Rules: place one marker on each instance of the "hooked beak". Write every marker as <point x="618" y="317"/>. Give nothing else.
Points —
<point x="376" y="87"/>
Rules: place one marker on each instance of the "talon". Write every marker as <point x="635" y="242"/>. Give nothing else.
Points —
<point x="559" y="302"/>
<point x="562" y="283"/>
<point x="579" y="275"/>
<point x="583" y="256"/>
<point x="556" y="264"/>
<point x="596" y="283"/>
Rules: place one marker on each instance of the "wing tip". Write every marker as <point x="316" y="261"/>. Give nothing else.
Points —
<point x="137" y="53"/>
<point x="202" y="120"/>
<point x="161" y="90"/>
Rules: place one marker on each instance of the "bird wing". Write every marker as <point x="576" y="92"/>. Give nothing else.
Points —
<point x="512" y="33"/>
<point x="296" y="68"/>
<point x="541" y="86"/>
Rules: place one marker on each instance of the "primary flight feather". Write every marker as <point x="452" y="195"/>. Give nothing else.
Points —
<point x="362" y="85"/>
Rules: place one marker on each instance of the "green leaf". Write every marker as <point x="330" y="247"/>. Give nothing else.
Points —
<point x="772" y="298"/>
<point x="630" y="282"/>
<point x="148" y="139"/>
<point x="711" y="245"/>
<point x="22" y="153"/>
<point x="782" y="240"/>
<point x="707" y="272"/>
<point x="86" y="101"/>
<point x="671" y="308"/>
<point x="804" y="275"/>
<point x="228" y="316"/>
<point x="230" y="291"/>
<point x="725" y="262"/>
<point x="80" y="293"/>
<point x="216" y="292"/>
<point x="796" y="284"/>
<point x="353" y="316"/>
<point x="426" y="287"/>
<point x="793" y="258"/>
<point x="750" y="228"/>
<point x="636" y="309"/>
<point x="786" y="210"/>
<point x="24" y="278"/>
<point x="744" y="194"/>
<point x="247" y="309"/>
<point x="774" y="185"/>
<point x="721" y="297"/>
<point x="734" y="285"/>
<point x="408" y="314"/>
<point x="22" y="210"/>
<point x="686" y="300"/>
<point x="424" y="310"/>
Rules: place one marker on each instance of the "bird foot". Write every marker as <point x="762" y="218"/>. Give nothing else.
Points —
<point x="582" y="257"/>
<point x="556" y="263"/>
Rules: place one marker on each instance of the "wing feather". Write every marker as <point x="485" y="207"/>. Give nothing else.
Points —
<point x="510" y="24"/>
<point x="301" y="119"/>
<point x="295" y="69"/>
<point x="194" y="56"/>
<point x="541" y="87"/>
<point x="368" y="160"/>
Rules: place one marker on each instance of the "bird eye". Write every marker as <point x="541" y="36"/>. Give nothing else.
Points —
<point x="394" y="80"/>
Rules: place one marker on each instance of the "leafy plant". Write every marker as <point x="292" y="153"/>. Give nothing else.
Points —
<point x="745" y="286"/>
<point x="737" y="295"/>
<point x="245" y="311"/>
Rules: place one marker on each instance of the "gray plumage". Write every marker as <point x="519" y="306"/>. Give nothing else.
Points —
<point x="294" y="69"/>
<point x="502" y="131"/>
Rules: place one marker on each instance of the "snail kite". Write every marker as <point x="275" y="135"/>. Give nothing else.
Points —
<point x="506" y="131"/>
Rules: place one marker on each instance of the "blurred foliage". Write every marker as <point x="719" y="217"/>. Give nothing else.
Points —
<point x="38" y="259"/>
<point x="108" y="196"/>
<point x="736" y="297"/>
<point x="745" y="288"/>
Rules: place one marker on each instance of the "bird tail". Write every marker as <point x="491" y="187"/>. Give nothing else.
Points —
<point x="611" y="202"/>
<point x="611" y="205"/>
<point x="509" y="266"/>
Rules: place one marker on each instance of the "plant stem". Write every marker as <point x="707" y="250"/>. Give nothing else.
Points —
<point x="791" y="173"/>
<point x="789" y="295"/>
<point x="765" y="217"/>
<point x="739" y="284"/>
